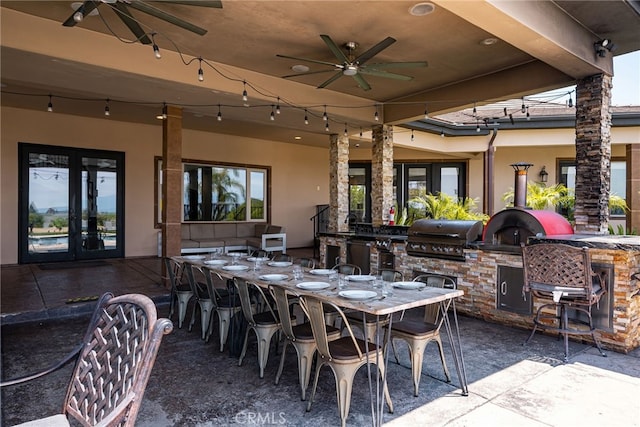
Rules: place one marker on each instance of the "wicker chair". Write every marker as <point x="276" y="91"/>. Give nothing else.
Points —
<point x="562" y="275"/>
<point x="113" y="364"/>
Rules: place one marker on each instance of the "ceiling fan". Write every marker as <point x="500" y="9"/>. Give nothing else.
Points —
<point x="121" y="8"/>
<point x="356" y="66"/>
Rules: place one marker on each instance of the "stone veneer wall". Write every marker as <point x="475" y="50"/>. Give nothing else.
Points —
<point x="477" y="277"/>
<point x="381" y="174"/>
<point x="338" y="182"/>
<point x="593" y="154"/>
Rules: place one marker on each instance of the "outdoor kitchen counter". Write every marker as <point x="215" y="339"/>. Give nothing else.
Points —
<point x="612" y="242"/>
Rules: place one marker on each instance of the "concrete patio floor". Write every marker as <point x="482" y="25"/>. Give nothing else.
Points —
<point x="193" y="384"/>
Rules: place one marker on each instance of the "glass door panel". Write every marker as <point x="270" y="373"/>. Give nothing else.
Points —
<point x="99" y="200"/>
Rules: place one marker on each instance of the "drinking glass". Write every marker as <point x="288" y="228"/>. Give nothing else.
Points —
<point x="297" y="272"/>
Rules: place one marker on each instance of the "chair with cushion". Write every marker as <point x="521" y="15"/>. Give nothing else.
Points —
<point x="306" y="262"/>
<point x="561" y="276"/>
<point x="112" y="364"/>
<point x="181" y="292"/>
<point x="299" y="336"/>
<point x="347" y="269"/>
<point x="418" y="333"/>
<point x="263" y="324"/>
<point x="344" y="355"/>
<point x="225" y="305"/>
<point x="197" y="276"/>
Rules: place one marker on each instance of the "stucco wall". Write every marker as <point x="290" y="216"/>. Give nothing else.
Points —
<point x="299" y="173"/>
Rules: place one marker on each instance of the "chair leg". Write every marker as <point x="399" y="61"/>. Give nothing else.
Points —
<point x="319" y="366"/>
<point x="305" y="360"/>
<point x="264" y="343"/>
<point x="183" y="302"/>
<point x="444" y="363"/>
<point x="281" y="367"/>
<point x="244" y="346"/>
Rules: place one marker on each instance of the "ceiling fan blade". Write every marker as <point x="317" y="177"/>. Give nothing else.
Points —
<point x="342" y="57"/>
<point x="204" y="3"/>
<point x="307" y="74"/>
<point x="375" y="50"/>
<point x="309" y="60"/>
<point x="361" y="82"/>
<point x="154" y="11"/>
<point x="331" y="80"/>
<point x="384" y="65"/>
<point x="377" y="73"/>
<point x="124" y="14"/>
<point x="86" y="8"/>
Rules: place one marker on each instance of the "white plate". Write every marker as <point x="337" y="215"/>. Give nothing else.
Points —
<point x="215" y="262"/>
<point x="361" y="278"/>
<point x="193" y="257"/>
<point x="280" y="263"/>
<point x="356" y="294"/>
<point x="235" y="267"/>
<point x="313" y="285"/>
<point x="321" y="272"/>
<point x="408" y="285"/>
<point x="273" y="277"/>
<point x="257" y="258"/>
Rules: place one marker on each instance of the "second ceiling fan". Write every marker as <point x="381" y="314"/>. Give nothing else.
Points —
<point x="357" y="66"/>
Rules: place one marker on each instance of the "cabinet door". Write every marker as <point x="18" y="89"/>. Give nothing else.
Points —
<point x="509" y="290"/>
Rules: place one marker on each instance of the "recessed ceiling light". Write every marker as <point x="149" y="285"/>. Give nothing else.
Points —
<point x="299" y="68"/>
<point x="159" y="117"/>
<point x="489" y="41"/>
<point x="297" y="137"/>
<point x="422" y="9"/>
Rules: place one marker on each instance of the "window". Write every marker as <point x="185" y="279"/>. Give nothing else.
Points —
<point x="410" y="180"/>
<point x="220" y="192"/>
<point x="618" y="181"/>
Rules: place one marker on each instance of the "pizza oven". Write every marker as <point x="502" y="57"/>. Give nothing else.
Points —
<point x="439" y="238"/>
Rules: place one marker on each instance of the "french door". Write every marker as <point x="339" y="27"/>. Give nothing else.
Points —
<point x="71" y="204"/>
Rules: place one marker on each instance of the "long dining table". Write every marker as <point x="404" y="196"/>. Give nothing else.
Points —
<point x="264" y="272"/>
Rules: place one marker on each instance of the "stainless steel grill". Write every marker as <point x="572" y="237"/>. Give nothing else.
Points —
<point x="445" y="239"/>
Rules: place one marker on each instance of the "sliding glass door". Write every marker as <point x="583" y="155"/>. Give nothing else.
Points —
<point x="71" y="204"/>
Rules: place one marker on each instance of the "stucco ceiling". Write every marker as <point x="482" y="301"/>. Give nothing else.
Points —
<point x="540" y="45"/>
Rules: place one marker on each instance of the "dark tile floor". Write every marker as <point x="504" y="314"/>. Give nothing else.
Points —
<point x="193" y="384"/>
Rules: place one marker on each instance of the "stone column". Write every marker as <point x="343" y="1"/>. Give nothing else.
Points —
<point x="338" y="183"/>
<point x="382" y="197"/>
<point x="593" y="154"/>
<point x="633" y="187"/>
<point x="172" y="181"/>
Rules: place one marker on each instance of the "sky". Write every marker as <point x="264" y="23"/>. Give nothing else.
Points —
<point x="626" y="79"/>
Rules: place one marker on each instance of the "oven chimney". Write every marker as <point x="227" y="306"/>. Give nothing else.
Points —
<point x="520" y="185"/>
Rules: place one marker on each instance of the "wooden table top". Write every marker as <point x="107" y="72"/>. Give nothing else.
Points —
<point x="402" y="299"/>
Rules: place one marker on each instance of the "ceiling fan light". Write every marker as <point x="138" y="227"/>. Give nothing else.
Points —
<point x="299" y="68"/>
<point x="78" y="16"/>
<point x="350" y="70"/>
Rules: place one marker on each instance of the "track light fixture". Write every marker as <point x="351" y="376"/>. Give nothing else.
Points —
<point x="50" y="105"/>
<point x="200" y="72"/>
<point x="603" y="46"/>
<point x="107" y="112"/>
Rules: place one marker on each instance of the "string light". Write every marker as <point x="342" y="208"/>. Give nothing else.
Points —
<point x="200" y="72"/>
<point x="528" y="116"/>
<point x="477" y="126"/>
<point x="505" y="112"/>
<point x="107" y="112"/>
<point x="272" y="116"/>
<point x="441" y="133"/>
<point x="475" y="112"/>
<point x="325" y="117"/>
<point x="426" y="112"/>
<point x="245" y="97"/>
<point x="219" y="114"/>
<point x="164" y="111"/>
<point x="156" y="49"/>
<point x="326" y="127"/>
<point x="360" y="132"/>
<point x="523" y="109"/>
<point x="570" y="103"/>
<point x="345" y="130"/>
<point x="376" y="116"/>
<point x="306" y="117"/>
<point x="278" y="106"/>
<point x="50" y="105"/>
<point x="411" y="135"/>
